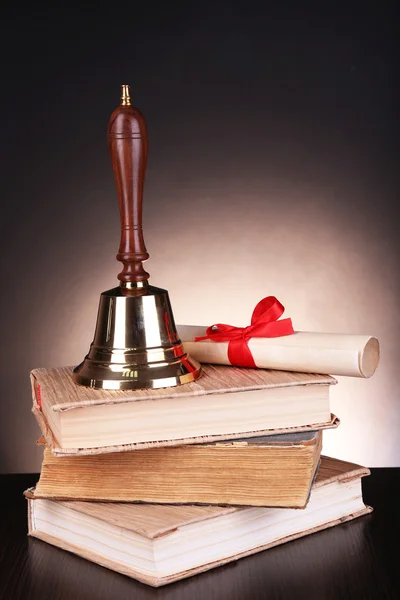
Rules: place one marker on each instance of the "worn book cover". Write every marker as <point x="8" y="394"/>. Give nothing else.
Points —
<point x="225" y="403"/>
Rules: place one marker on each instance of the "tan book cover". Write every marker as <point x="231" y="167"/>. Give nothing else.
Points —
<point x="275" y="470"/>
<point x="225" y="403"/>
<point x="159" y="544"/>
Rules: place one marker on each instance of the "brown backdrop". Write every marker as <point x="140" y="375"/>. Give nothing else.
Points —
<point x="272" y="170"/>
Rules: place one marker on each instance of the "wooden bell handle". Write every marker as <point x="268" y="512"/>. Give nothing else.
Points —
<point x="127" y="141"/>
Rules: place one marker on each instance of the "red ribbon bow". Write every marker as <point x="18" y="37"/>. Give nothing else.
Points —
<point x="264" y="323"/>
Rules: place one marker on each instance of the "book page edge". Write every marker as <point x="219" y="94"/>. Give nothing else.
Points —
<point x="155" y="581"/>
<point x="59" y="451"/>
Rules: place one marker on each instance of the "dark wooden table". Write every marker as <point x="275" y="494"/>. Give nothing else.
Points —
<point x="357" y="560"/>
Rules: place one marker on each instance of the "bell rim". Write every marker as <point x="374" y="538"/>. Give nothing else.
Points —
<point x="148" y="376"/>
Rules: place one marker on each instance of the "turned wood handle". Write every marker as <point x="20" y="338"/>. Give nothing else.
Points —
<point x="127" y="141"/>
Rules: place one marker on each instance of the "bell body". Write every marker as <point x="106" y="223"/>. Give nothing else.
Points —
<point x="135" y="343"/>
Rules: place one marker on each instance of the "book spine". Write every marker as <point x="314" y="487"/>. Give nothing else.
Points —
<point x="30" y="524"/>
<point x="37" y="410"/>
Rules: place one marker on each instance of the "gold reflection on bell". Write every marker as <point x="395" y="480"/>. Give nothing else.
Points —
<point x="135" y="343"/>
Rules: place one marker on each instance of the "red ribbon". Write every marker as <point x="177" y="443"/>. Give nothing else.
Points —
<point x="264" y="323"/>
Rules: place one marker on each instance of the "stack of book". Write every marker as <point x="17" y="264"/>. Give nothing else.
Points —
<point x="165" y="483"/>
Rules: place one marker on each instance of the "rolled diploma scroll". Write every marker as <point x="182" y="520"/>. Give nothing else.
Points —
<point x="303" y="351"/>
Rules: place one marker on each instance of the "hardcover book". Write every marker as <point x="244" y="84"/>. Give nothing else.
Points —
<point x="225" y="403"/>
<point x="159" y="544"/>
<point x="275" y="470"/>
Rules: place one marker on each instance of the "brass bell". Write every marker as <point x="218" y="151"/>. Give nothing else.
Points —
<point x="135" y="344"/>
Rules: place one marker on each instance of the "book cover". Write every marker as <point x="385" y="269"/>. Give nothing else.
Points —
<point x="224" y="403"/>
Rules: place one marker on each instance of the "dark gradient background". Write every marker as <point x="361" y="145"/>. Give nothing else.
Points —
<point x="272" y="171"/>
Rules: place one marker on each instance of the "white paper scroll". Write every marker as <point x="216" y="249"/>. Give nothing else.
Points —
<point x="303" y="351"/>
